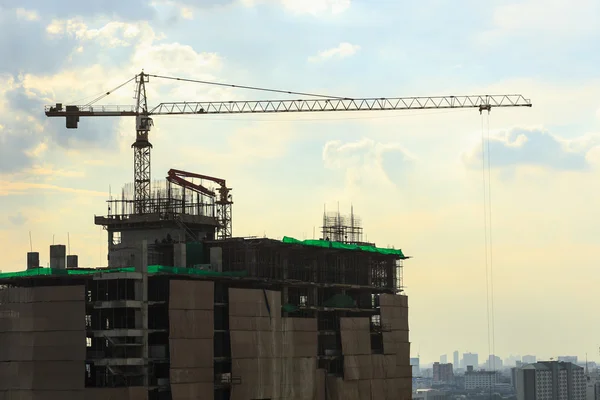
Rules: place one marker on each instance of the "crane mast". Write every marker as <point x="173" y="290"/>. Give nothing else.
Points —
<point x="142" y="146"/>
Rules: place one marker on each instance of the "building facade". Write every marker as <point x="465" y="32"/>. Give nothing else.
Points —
<point x="415" y="365"/>
<point x="470" y="359"/>
<point x="550" y="380"/>
<point x="442" y="373"/>
<point x="231" y="319"/>
<point x="429" y="394"/>
<point x="475" y="380"/>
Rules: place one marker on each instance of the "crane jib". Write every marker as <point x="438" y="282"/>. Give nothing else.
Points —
<point x="480" y="102"/>
<point x="312" y="103"/>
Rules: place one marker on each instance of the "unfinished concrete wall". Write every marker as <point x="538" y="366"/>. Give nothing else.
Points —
<point x="191" y="334"/>
<point x="42" y="343"/>
<point x="396" y="345"/>
<point x="274" y="357"/>
<point x="375" y="376"/>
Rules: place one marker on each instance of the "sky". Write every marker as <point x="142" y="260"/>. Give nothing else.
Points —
<point x="415" y="177"/>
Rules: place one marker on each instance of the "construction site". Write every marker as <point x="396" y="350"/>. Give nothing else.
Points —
<point x="232" y="318"/>
<point x="186" y="310"/>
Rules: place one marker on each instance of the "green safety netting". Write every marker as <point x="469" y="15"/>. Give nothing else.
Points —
<point x="152" y="269"/>
<point x="340" y="301"/>
<point x="289" y="308"/>
<point x="344" y="246"/>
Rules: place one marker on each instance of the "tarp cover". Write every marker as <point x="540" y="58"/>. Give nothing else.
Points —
<point x="343" y="246"/>
<point x="152" y="269"/>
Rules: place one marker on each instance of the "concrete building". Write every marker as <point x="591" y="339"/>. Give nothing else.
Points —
<point x="429" y="394"/>
<point x="185" y="310"/>
<point x="494" y="363"/>
<point x="475" y="380"/>
<point x="592" y="388"/>
<point x="550" y="380"/>
<point x="442" y="373"/>
<point x="416" y="367"/>
<point x="223" y="319"/>
<point x="455" y="360"/>
<point x="470" y="359"/>
<point x="443" y="359"/>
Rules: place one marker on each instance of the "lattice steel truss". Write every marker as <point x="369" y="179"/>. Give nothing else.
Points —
<point x="141" y="149"/>
<point x="481" y="102"/>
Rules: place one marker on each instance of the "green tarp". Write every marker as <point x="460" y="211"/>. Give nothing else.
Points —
<point x="343" y="246"/>
<point x="340" y="301"/>
<point x="152" y="269"/>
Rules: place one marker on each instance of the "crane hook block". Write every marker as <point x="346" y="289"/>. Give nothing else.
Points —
<point x="72" y="120"/>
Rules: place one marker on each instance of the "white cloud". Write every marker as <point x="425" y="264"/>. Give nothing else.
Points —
<point x="112" y="34"/>
<point x="28" y="15"/>
<point x="367" y="160"/>
<point x="312" y="7"/>
<point x="535" y="147"/>
<point x="554" y="17"/>
<point x="316" y="7"/>
<point x="249" y="143"/>
<point x="344" y="49"/>
<point x="8" y="188"/>
<point x="158" y="58"/>
<point x="174" y="58"/>
<point x="17" y="219"/>
<point x="187" y="13"/>
<point x="39" y="148"/>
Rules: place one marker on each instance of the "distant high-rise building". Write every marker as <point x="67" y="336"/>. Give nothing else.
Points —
<point x="455" y="360"/>
<point x="442" y="373"/>
<point x="480" y="379"/>
<point x="511" y="361"/>
<point x="592" y="387"/>
<point x="494" y="363"/>
<point x="429" y="394"/>
<point x="470" y="359"/>
<point x="443" y="359"/>
<point x="416" y="368"/>
<point x="550" y="380"/>
<point x="529" y="359"/>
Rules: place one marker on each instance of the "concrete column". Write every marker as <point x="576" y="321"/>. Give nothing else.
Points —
<point x="141" y="294"/>
<point x="110" y="247"/>
<point x="180" y="253"/>
<point x="315" y="278"/>
<point x="216" y="258"/>
<point x="284" y="290"/>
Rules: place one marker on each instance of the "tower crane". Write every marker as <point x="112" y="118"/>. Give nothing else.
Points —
<point x="318" y="103"/>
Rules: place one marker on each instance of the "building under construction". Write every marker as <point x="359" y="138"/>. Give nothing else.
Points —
<point x="186" y="311"/>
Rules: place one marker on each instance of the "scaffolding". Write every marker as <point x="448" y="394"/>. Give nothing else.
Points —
<point x="156" y="327"/>
<point x="343" y="228"/>
<point x="165" y="199"/>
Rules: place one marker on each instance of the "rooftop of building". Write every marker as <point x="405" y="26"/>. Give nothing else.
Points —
<point x="547" y="365"/>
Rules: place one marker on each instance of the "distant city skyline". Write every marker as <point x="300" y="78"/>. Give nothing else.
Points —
<point x="509" y="360"/>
